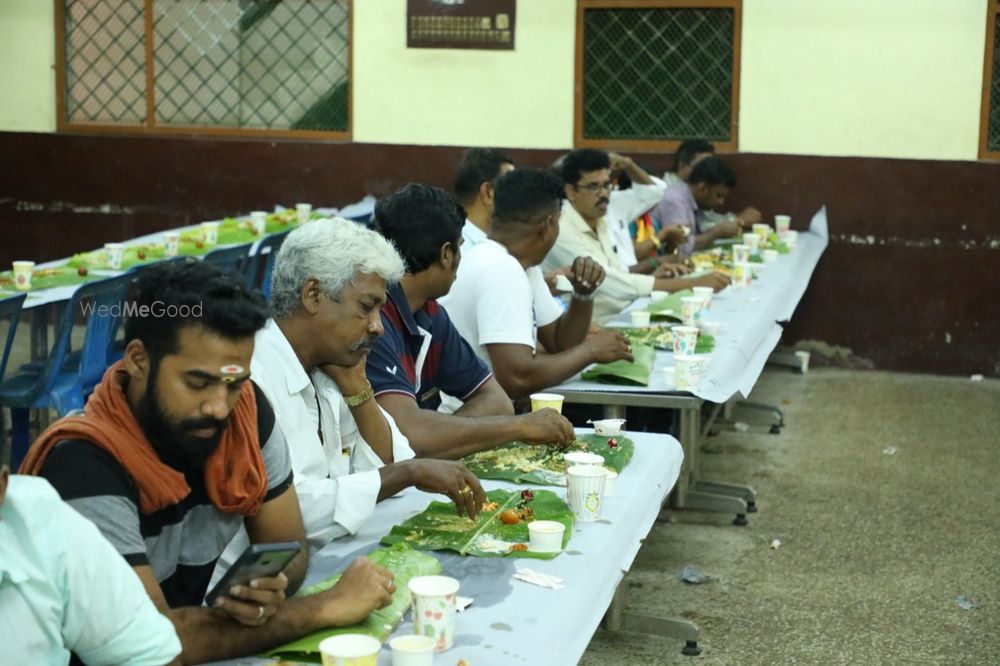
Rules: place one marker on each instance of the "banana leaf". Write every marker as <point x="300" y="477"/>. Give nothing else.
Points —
<point x="669" y="307"/>
<point x="625" y="372"/>
<point x="438" y="527"/>
<point x="400" y="559"/>
<point x="661" y="337"/>
<point x="544" y="465"/>
<point x="46" y="278"/>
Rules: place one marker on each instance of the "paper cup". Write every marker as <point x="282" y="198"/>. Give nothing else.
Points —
<point x="171" y="243"/>
<point x="742" y="275"/>
<point x="210" y="232"/>
<point x="670" y="377"/>
<point x="706" y="294"/>
<point x="582" y="459"/>
<point x="434" y="609"/>
<point x="22" y="274"/>
<point x="686" y="374"/>
<point x="543" y="400"/>
<point x="609" y="482"/>
<point x="691" y="307"/>
<point x="412" y="650"/>
<point x="685" y="339"/>
<point x="790" y="238"/>
<point x="608" y="426"/>
<point x="258" y="222"/>
<point x="585" y="491"/>
<point x="303" y="212"/>
<point x="115" y="252"/>
<point x="752" y="241"/>
<point x="349" y="650"/>
<point x="545" y="536"/>
<point x="640" y="318"/>
<point x="741" y="253"/>
<point x="657" y="295"/>
<point x="769" y="256"/>
<point x="782" y="223"/>
<point x="762" y="231"/>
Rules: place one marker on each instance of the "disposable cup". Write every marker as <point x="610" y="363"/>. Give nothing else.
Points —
<point x="670" y="376"/>
<point x="782" y="223"/>
<point x="790" y="238"/>
<point x="751" y="240"/>
<point x="585" y="491"/>
<point x="22" y="274"/>
<point x="210" y="232"/>
<point x="691" y="307"/>
<point x="742" y="275"/>
<point x="657" y="295"/>
<point x="686" y="375"/>
<point x="685" y="339"/>
<point x="434" y="609"/>
<point x="349" y="650"/>
<point x="303" y="212"/>
<point x="609" y="482"/>
<point x="543" y="400"/>
<point x="762" y="230"/>
<point x="705" y="293"/>
<point x="115" y="252"/>
<point x="741" y="252"/>
<point x="639" y="318"/>
<point x="171" y="243"/>
<point x="582" y="459"/>
<point x="412" y="650"/>
<point x="545" y="536"/>
<point x="769" y="256"/>
<point x="258" y="220"/>
<point x="608" y="426"/>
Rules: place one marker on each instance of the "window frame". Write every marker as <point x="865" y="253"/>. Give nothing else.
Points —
<point x="670" y="145"/>
<point x="149" y="126"/>
<point x="989" y="58"/>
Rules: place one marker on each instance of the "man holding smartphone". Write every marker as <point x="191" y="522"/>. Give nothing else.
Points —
<point x="177" y="450"/>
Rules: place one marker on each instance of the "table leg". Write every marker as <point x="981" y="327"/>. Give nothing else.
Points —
<point x="616" y="619"/>
<point x="39" y="333"/>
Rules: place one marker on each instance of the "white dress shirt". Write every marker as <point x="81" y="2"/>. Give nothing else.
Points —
<point x="624" y="206"/>
<point x="472" y="235"/>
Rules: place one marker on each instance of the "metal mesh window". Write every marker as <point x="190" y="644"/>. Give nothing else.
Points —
<point x="993" y="131"/>
<point x="250" y="64"/>
<point x="658" y="74"/>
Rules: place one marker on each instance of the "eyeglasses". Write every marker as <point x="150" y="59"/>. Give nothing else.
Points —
<point x="594" y="188"/>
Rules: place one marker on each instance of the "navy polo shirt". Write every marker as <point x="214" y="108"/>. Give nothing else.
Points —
<point x="421" y="354"/>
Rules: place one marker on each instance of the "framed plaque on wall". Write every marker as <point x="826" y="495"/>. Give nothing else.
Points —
<point x="460" y="24"/>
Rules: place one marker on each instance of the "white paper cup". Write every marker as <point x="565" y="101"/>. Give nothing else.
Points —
<point x="608" y="426"/>
<point x="685" y="339"/>
<point x="543" y="400"/>
<point x="742" y="275"/>
<point x="545" y="536"/>
<point x="706" y="294"/>
<point x="303" y="212"/>
<point x="670" y="377"/>
<point x="657" y="295"/>
<point x="22" y="274"/>
<point x="640" y="318"/>
<point x="609" y="482"/>
<point x="741" y="253"/>
<point x="115" y="253"/>
<point x="582" y="459"/>
<point x="585" y="491"/>
<point x="691" y="307"/>
<point x="762" y="231"/>
<point x="782" y="223"/>
<point x="712" y="328"/>
<point x="752" y="241"/>
<point x="434" y="609"/>
<point x="210" y="232"/>
<point x="350" y="650"/>
<point x="412" y="650"/>
<point x="769" y="256"/>
<point x="686" y="375"/>
<point x="258" y="221"/>
<point x="171" y="243"/>
<point x="790" y="238"/>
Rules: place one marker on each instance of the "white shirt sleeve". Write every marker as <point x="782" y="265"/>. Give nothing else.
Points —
<point x="110" y="618"/>
<point x="629" y="204"/>
<point x="546" y="309"/>
<point x="505" y="309"/>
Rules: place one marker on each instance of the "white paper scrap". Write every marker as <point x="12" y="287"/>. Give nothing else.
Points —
<point x="540" y="579"/>
<point x="461" y="603"/>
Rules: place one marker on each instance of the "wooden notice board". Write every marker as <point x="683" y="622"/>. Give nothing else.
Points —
<point x="460" y="24"/>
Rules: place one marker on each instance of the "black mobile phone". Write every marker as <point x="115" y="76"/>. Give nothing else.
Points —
<point x="258" y="561"/>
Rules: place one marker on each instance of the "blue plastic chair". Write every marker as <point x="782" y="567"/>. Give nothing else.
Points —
<point x="233" y="259"/>
<point x="262" y="263"/>
<point x="61" y="385"/>
<point x="10" y="308"/>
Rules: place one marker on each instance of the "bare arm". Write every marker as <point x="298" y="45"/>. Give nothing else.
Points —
<point x="721" y="230"/>
<point x="569" y="330"/>
<point x="487" y="400"/>
<point x="372" y="424"/>
<point x="635" y="173"/>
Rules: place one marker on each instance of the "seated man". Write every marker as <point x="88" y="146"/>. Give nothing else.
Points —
<point x="421" y="354"/>
<point x="585" y="231"/>
<point x="63" y="588"/>
<point x="475" y="183"/>
<point x="499" y="298"/>
<point x="327" y="288"/>
<point x="684" y="205"/>
<point x="177" y="449"/>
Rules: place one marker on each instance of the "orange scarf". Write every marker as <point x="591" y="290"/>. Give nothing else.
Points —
<point x="235" y="476"/>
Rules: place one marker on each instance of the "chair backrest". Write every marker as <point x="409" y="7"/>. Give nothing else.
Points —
<point x="262" y="263"/>
<point x="10" y="308"/>
<point x="234" y="259"/>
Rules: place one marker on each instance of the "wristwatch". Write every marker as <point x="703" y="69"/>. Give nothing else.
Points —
<point x="360" y="398"/>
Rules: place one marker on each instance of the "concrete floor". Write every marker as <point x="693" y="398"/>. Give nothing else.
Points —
<point x="875" y="547"/>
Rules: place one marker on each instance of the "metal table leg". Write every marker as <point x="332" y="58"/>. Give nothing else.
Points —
<point x="616" y="619"/>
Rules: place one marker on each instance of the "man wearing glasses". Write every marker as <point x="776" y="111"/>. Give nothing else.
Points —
<point x="594" y="224"/>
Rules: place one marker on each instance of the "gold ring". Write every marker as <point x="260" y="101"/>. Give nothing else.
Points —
<point x="466" y="490"/>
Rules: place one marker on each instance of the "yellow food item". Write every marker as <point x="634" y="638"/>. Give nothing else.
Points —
<point x="490" y="506"/>
<point x="519" y="547"/>
<point x="510" y="517"/>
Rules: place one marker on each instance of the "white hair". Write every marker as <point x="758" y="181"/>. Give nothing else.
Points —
<point x="333" y="252"/>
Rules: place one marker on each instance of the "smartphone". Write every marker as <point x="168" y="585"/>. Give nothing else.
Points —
<point x="262" y="560"/>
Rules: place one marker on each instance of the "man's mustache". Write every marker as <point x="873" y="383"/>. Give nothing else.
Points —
<point x="365" y="343"/>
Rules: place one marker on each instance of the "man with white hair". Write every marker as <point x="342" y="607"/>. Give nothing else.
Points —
<point x="328" y="285"/>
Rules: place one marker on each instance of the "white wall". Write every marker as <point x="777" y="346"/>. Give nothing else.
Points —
<point x="886" y="78"/>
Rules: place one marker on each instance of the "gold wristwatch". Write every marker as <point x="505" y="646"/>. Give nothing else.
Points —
<point x="360" y="398"/>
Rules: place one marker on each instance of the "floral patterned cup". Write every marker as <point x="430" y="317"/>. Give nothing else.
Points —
<point x="434" y="609"/>
<point x="685" y="339"/>
<point x="22" y="275"/>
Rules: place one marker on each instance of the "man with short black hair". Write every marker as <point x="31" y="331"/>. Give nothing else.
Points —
<point x="177" y="450"/>
<point x="422" y="356"/>
<point x="475" y="180"/>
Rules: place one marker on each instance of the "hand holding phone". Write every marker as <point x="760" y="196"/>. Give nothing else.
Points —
<point x="254" y="588"/>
